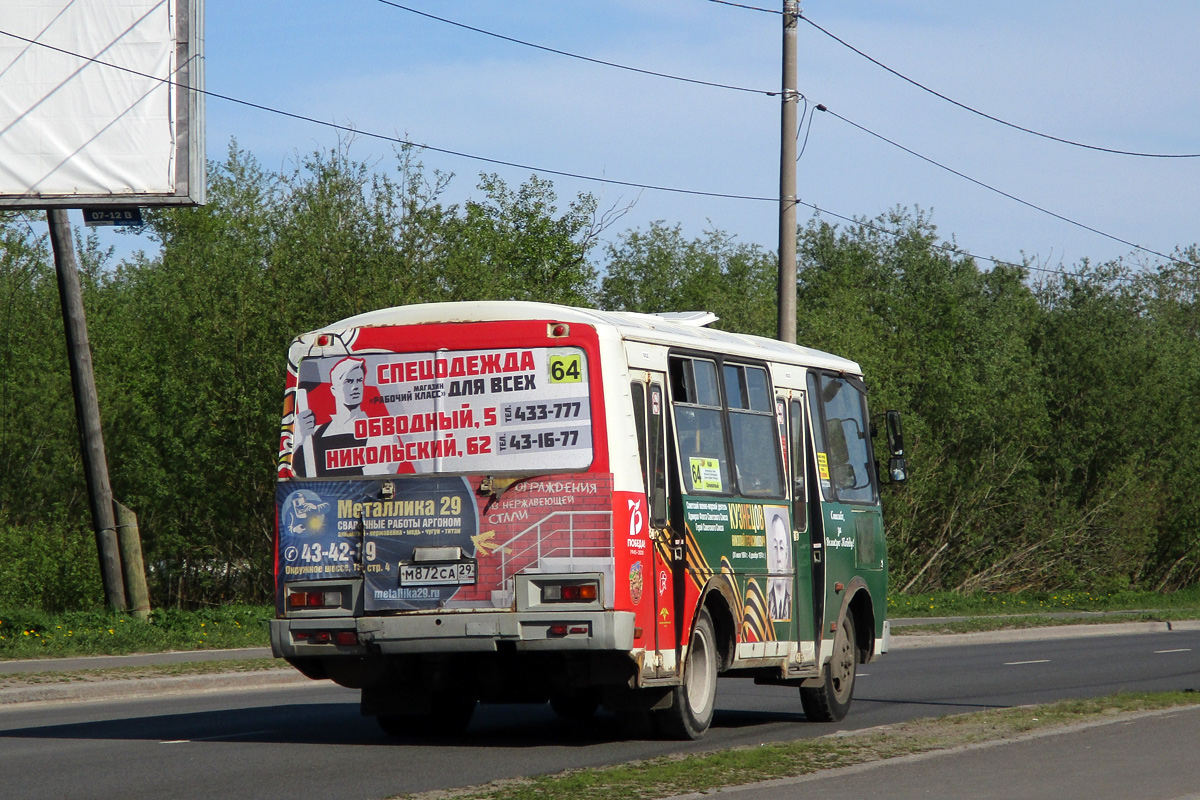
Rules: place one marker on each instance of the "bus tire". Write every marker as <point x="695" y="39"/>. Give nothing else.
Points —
<point x="830" y="701"/>
<point x="692" y="703"/>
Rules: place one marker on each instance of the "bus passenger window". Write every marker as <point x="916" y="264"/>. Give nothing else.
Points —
<point x="638" y="393"/>
<point x="799" y="457"/>
<point x="699" y="430"/>
<point x="753" y="430"/>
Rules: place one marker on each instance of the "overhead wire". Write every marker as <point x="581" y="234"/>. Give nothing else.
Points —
<point x="991" y="188"/>
<point x="561" y="173"/>
<point x="577" y="56"/>
<point x="952" y="101"/>
<point x="807" y="108"/>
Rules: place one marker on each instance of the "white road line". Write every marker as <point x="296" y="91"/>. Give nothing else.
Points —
<point x="1020" y="663"/>
<point x="216" y="738"/>
<point x="1179" y="650"/>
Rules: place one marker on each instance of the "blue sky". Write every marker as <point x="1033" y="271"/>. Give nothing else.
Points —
<point x="1118" y="75"/>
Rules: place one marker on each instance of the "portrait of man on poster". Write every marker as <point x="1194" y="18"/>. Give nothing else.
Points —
<point x="779" y="564"/>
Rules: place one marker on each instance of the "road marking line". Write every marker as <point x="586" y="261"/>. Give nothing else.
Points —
<point x="1180" y="650"/>
<point x="1020" y="663"/>
<point x="215" y="738"/>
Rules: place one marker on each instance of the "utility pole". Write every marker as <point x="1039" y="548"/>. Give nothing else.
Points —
<point x="787" y="178"/>
<point x="87" y="408"/>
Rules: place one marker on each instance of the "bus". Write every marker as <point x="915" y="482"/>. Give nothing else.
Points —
<point x="526" y="502"/>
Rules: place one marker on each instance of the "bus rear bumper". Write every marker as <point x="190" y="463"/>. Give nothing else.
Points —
<point x="453" y="632"/>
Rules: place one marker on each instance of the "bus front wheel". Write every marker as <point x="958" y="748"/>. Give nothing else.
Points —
<point x="830" y="701"/>
<point x="691" y="710"/>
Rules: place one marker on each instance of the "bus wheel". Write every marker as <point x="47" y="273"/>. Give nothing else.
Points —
<point x="450" y="720"/>
<point x="692" y="704"/>
<point x="830" y="701"/>
<point x="575" y="705"/>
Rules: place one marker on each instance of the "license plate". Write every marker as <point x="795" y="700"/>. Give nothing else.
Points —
<point x="460" y="573"/>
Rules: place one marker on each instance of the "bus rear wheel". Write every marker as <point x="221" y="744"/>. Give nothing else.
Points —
<point x="830" y="701"/>
<point x="691" y="710"/>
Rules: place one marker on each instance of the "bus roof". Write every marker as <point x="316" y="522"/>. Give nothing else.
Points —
<point x="678" y="329"/>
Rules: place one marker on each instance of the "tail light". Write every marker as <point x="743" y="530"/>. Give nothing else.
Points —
<point x="585" y="592"/>
<point x="297" y="601"/>
<point x="343" y="638"/>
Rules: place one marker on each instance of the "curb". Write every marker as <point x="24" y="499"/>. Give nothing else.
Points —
<point x="906" y="641"/>
<point x="130" y="688"/>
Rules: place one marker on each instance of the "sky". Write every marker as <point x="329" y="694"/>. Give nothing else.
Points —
<point x="1114" y="75"/>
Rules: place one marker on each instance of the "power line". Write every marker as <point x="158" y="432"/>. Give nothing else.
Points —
<point x="534" y="169"/>
<point x="577" y="56"/>
<point x="957" y="103"/>
<point x="746" y="7"/>
<point x="984" y="114"/>
<point x="385" y="137"/>
<point x="991" y="188"/>
<point x="806" y="103"/>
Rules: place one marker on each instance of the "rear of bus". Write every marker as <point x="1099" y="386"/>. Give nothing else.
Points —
<point x="445" y="513"/>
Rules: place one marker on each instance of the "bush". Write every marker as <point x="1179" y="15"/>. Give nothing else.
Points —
<point x="49" y="565"/>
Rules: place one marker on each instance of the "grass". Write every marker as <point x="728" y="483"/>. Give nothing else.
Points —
<point x="37" y="634"/>
<point x="674" y="775"/>
<point x="135" y="673"/>
<point x="28" y="633"/>
<point x="946" y="604"/>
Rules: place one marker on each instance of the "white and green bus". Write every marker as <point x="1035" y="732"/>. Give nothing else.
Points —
<point x="524" y="502"/>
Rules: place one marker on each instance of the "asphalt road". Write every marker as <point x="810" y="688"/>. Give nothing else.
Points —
<point x="309" y="741"/>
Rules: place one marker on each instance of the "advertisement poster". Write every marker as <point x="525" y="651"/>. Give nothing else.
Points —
<point x="427" y="542"/>
<point x="466" y="411"/>
<point x="756" y="539"/>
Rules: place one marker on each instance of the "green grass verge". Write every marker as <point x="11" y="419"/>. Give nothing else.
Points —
<point x="674" y="775"/>
<point x="135" y="673"/>
<point x="950" y="604"/>
<point x="37" y="634"/>
<point x="985" y="624"/>
<point x="26" y="633"/>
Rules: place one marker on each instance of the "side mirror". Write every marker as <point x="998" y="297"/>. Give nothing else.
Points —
<point x="897" y="465"/>
<point x="895" y="435"/>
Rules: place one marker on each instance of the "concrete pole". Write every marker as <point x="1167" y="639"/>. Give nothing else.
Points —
<point x="787" y="178"/>
<point x="87" y="408"/>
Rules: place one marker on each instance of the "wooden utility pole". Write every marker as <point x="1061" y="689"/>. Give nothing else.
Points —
<point x="787" y="178"/>
<point x="87" y="408"/>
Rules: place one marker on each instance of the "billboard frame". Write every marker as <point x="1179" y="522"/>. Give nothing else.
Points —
<point x="190" y="161"/>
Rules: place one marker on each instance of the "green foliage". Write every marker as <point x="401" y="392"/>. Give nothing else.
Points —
<point x="49" y="564"/>
<point x="189" y="345"/>
<point x="659" y="270"/>
<point x="33" y="633"/>
<point x="1052" y="426"/>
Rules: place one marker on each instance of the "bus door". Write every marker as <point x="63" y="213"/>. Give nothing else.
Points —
<point x="808" y="530"/>
<point x="649" y="414"/>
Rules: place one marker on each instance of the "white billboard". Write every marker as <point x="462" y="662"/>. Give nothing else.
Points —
<point x="96" y="103"/>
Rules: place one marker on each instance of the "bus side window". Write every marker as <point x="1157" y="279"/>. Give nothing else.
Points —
<point x="753" y="431"/>
<point x="799" y="498"/>
<point x="814" y="410"/>
<point x="842" y="437"/>
<point x="658" y="458"/>
<point x="699" y="427"/>
<point x="652" y="448"/>
<point x="638" y="393"/>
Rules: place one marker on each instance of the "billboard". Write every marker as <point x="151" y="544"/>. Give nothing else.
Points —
<point x="98" y="104"/>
